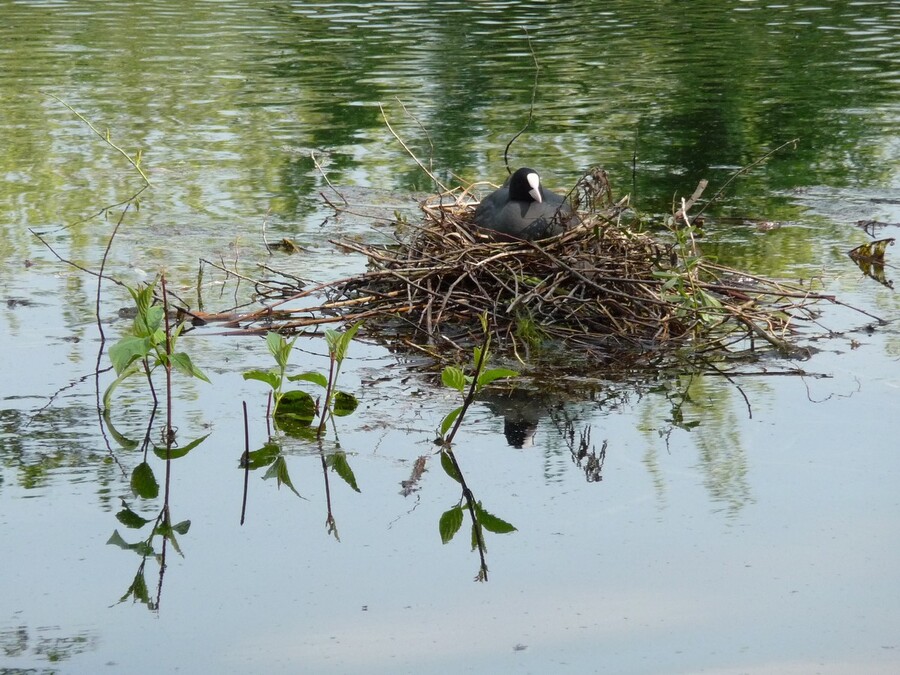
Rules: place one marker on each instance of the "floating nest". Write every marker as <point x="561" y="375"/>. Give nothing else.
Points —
<point x="601" y="290"/>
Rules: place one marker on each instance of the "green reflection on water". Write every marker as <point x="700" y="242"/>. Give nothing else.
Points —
<point x="226" y="101"/>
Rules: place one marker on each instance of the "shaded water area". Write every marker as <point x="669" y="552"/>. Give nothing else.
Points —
<point x="721" y="525"/>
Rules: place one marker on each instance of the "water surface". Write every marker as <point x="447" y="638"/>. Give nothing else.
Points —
<point x="743" y="525"/>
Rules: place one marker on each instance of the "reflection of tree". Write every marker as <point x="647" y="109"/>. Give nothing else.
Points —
<point x="35" y="446"/>
<point x="45" y="643"/>
<point x="696" y="94"/>
<point x="694" y="112"/>
<point x="709" y="409"/>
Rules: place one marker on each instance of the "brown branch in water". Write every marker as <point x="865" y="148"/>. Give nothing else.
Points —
<point x="245" y="462"/>
<point x="744" y="170"/>
<point x="410" y="152"/>
<point x="534" y="88"/>
<point x="312" y="156"/>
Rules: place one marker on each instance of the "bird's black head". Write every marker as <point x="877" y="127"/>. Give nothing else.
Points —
<point x="525" y="186"/>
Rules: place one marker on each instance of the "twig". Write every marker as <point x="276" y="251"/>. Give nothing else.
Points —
<point x="312" y="156"/>
<point x="744" y="170"/>
<point x="410" y="152"/>
<point x="106" y="139"/>
<point x="537" y="70"/>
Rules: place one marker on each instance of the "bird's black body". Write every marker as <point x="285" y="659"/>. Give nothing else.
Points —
<point x="522" y="208"/>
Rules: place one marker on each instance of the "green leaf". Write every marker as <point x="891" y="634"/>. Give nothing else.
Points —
<point x="128" y="372"/>
<point x="332" y="338"/>
<point x="275" y="343"/>
<point x="138" y="589"/>
<point x="143" y="482"/>
<point x="338" y="343"/>
<point x="269" y="377"/>
<point x="451" y="521"/>
<point x="262" y="457"/>
<point x="116" y="540"/>
<point x="149" y="324"/>
<point x="283" y="476"/>
<point x="142" y="296"/>
<point x="344" y="342"/>
<point x="279" y="471"/>
<point x="315" y="378"/>
<point x="454" y="378"/>
<point x="127" y="350"/>
<point x="484" y="322"/>
<point x="280" y="348"/>
<point x="182" y="527"/>
<point x="344" y="403"/>
<point x="295" y="412"/>
<point x="338" y="462"/>
<point x="168" y="531"/>
<point x="120" y="438"/>
<point x="489" y="376"/>
<point x="170" y="535"/>
<point x="476" y="356"/>
<point x="185" y="366"/>
<point x="449" y="420"/>
<point x="130" y="519"/>
<point x="297" y="403"/>
<point x="142" y="548"/>
<point x="176" y="453"/>
<point x="449" y="467"/>
<point x="491" y="522"/>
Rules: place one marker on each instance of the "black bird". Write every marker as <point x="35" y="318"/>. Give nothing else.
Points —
<point x="522" y="208"/>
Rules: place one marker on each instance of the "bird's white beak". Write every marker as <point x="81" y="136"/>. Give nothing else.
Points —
<point x="535" y="182"/>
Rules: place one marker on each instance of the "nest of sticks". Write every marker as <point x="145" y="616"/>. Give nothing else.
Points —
<point x="599" y="290"/>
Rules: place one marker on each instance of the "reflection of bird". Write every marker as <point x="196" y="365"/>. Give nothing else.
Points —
<point x="519" y="433"/>
<point x="521" y="410"/>
<point x="522" y="208"/>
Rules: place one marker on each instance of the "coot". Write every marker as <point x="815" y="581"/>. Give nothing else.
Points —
<point x="523" y="208"/>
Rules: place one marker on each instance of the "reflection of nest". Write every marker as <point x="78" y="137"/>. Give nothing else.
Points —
<point x="596" y="288"/>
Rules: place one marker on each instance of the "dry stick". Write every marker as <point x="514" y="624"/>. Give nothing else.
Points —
<point x="312" y="156"/>
<point x="686" y="206"/>
<point x="268" y="310"/>
<point x="465" y="274"/>
<point x="265" y="240"/>
<point x="429" y="326"/>
<point x="427" y="291"/>
<point x="494" y="311"/>
<point x="360" y="300"/>
<point x="780" y="345"/>
<point x="410" y="152"/>
<point x="299" y="280"/>
<point x="107" y="140"/>
<point x="303" y="323"/>
<point x="72" y="263"/>
<point x="744" y="170"/>
<point x="170" y="435"/>
<point x="246" y="459"/>
<point x="638" y="282"/>
<point x="228" y="271"/>
<point x="424" y="130"/>
<point x="537" y="71"/>
<point x="711" y="266"/>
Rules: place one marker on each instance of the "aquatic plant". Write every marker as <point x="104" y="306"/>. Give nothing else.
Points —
<point x="293" y="413"/>
<point x="148" y="344"/>
<point x="294" y="410"/>
<point x="468" y="386"/>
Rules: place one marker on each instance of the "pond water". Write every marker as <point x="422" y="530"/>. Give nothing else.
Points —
<point x="734" y="525"/>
